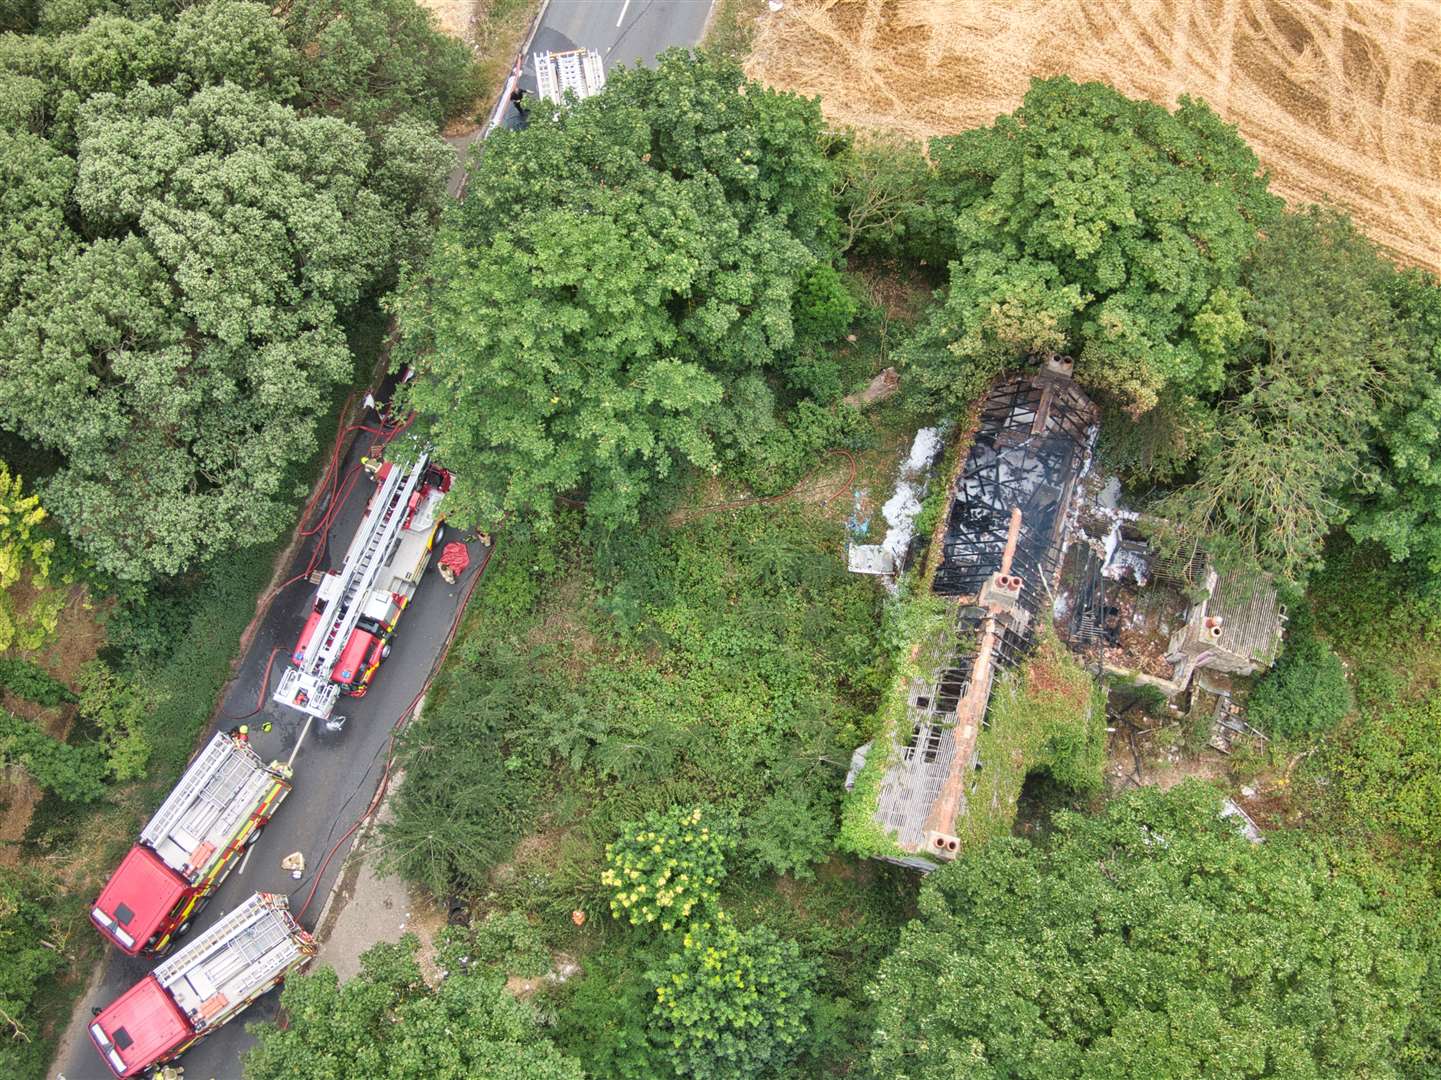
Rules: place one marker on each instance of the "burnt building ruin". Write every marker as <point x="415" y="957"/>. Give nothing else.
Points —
<point x="996" y="564"/>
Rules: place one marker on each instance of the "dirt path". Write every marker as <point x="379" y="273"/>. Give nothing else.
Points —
<point x="1341" y="100"/>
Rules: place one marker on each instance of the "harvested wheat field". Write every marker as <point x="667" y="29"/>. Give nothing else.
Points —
<point x="1342" y="101"/>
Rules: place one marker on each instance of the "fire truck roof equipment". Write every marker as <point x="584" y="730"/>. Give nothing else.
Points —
<point x="214" y="797"/>
<point x="581" y="71"/>
<point x="245" y="951"/>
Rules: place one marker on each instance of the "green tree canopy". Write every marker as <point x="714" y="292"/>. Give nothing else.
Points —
<point x="180" y="361"/>
<point x="372" y="61"/>
<point x="1151" y="940"/>
<point x="387" y="1024"/>
<point x="1325" y="358"/>
<point x="730" y="1004"/>
<point x="1398" y="504"/>
<point x="1086" y="222"/>
<point x="184" y="238"/>
<point x="28" y="961"/>
<point x="602" y="308"/>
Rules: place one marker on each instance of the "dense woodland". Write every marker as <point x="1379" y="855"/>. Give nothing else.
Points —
<point x="633" y="339"/>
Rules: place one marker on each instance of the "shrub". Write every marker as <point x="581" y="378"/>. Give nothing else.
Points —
<point x="779" y="460"/>
<point x="824" y="308"/>
<point x="25" y="546"/>
<point x="74" y="773"/>
<point x="511" y="942"/>
<point x="664" y="867"/>
<point x="32" y="682"/>
<point x="730" y="1004"/>
<point x="1305" y="693"/>
<point x="26" y="964"/>
<point x="117" y="707"/>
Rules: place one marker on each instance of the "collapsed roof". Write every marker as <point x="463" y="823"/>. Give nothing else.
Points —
<point x="998" y="561"/>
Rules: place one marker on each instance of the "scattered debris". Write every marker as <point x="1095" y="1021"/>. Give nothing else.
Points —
<point x="881" y="387"/>
<point x="295" y="863"/>
<point x="1247" y="827"/>
<point x="887" y="559"/>
<point x="1228" y="722"/>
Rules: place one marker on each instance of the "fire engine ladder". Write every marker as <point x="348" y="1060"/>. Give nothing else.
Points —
<point x="362" y="565"/>
<point x="242" y="953"/>
<point x="205" y="807"/>
<point x="581" y="71"/>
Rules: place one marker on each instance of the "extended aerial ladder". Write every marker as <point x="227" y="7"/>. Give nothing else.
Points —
<point x="340" y="600"/>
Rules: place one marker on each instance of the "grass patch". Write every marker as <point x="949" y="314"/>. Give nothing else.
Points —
<point x="733" y="27"/>
<point x="1047" y="716"/>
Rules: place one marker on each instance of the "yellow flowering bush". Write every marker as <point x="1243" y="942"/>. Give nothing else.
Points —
<point x="730" y="1003"/>
<point x="22" y="545"/>
<point x="667" y="868"/>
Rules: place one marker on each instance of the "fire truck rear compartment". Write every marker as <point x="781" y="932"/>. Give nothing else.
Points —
<point x="237" y="958"/>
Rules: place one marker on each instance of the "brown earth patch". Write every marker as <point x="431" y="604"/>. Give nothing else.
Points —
<point x="1341" y="100"/>
<point x="78" y="640"/>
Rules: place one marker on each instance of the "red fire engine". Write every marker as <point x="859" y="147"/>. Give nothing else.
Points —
<point x="206" y="984"/>
<point x="225" y="797"/>
<point x="352" y="621"/>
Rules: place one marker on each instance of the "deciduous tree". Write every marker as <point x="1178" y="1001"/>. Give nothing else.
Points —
<point x="1091" y="223"/>
<point x="1152" y="940"/>
<point x="619" y="275"/>
<point x="1325" y="357"/>
<point x="730" y="1004"/>
<point x="179" y="362"/>
<point x="388" y="1024"/>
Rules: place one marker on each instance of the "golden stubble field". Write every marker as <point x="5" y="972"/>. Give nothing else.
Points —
<point x="1341" y="100"/>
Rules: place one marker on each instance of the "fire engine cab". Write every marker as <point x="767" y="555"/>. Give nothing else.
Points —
<point x="186" y="850"/>
<point x="206" y="984"/>
<point x="348" y="631"/>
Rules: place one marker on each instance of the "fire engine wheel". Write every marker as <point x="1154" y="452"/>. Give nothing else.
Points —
<point x="438" y="538"/>
<point x="254" y="834"/>
<point x="384" y="651"/>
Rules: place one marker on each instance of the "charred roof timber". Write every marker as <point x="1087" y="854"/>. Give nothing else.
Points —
<point x="999" y="560"/>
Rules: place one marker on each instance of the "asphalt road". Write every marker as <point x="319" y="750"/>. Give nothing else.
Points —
<point x="624" y="32"/>
<point x="336" y="774"/>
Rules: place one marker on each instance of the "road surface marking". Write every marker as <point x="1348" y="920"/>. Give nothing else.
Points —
<point x="623" y="9"/>
<point x="241" y="868"/>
